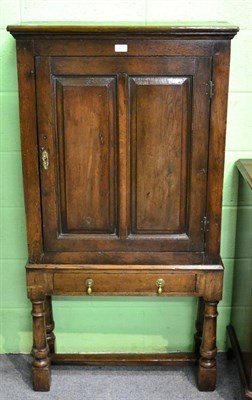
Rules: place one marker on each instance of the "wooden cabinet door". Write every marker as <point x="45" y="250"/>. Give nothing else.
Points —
<point x="127" y="139"/>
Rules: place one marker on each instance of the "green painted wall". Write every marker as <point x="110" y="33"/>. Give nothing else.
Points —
<point x="113" y="324"/>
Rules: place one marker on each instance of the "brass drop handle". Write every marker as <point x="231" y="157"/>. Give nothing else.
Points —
<point x="45" y="158"/>
<point x="89" y="284"/>
<point x="160" y="284"/>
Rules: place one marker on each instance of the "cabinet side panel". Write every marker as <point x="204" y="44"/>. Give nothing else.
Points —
<point x="220" y="77"/>
<point x="28" y="128"/>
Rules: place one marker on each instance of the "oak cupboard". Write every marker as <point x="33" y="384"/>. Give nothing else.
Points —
<point x="123" y="133"/>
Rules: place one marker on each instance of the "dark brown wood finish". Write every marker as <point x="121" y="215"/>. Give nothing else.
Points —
<point x="28" y="129"/>
<point x="208" y="349"/>
<point x="240" y="327"/>
<point x="186" y="29"/>
<point x="136" y="47"/>
<point x="50" y="336"/>
<point x="130" y="202"/>
<point x="220" y="77"/>
<point x="83" y="171"/>
<point x="159" y="143"/>
<point x="239" y="356"/>
<point x="150" y="257"/>
<point x="161" y="359"/>
<point x="199" y="326"/>
<point x="138" y="279"/>
<point x="87" y="206"/>
<point x="245" y="169"/>
<point x="41" y="374"/>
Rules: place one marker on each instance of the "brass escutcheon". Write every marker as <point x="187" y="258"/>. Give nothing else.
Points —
<point x="89" y="284"/>
<point x="45" y="158"/>
<point x="160" y="284"/>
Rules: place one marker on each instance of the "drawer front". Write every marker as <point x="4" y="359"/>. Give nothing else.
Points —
<point x="124" y="283"/>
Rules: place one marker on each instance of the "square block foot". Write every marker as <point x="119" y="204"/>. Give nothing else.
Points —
<point x="207" y="379"/>
<point x="41" y="379"/>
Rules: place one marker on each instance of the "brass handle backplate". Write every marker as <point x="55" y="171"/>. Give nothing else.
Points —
<point x="89" y="284"/>
<point x="160" y="284"/>
<point x="45" y="158"/>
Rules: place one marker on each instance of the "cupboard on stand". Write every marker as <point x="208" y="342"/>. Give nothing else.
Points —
<point x="123" y="134"/>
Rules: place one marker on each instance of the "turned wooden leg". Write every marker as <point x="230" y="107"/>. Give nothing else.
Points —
<point x="199" y="326"/>
<point x="49" y="324"/>
<point x="41" y="363"/>
<point x="208" y="351"/>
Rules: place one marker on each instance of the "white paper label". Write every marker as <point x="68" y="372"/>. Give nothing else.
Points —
<point x="121" y="48"/>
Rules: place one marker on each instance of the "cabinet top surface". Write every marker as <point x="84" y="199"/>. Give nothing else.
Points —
<point x="245" y="168"/>
<point x="158" y="28"/>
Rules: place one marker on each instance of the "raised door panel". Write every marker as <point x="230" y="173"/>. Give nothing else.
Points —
<point x="77" y="127"/>
<point x="169" y="129"/>
<point x="160" y="118"/>
<point x="85" y="126"/>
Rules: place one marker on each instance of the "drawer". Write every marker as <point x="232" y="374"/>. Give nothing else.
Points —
<point x="123" y="283"/>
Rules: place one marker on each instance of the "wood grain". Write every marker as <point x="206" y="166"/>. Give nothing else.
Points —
<point x="86" y="117"/>
<point x="159" y="359"/>
<point x="28" y="130"/>
<point x="184" y="29"/>
<point x="162" y="154"/>
<point x="220" y="77"/>
<point x="159" y="130"/>
<point x="136" y="152"/>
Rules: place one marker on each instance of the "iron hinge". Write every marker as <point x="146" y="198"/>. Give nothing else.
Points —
<point x="204" y="224"/>
<point x="209" y="89"/>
